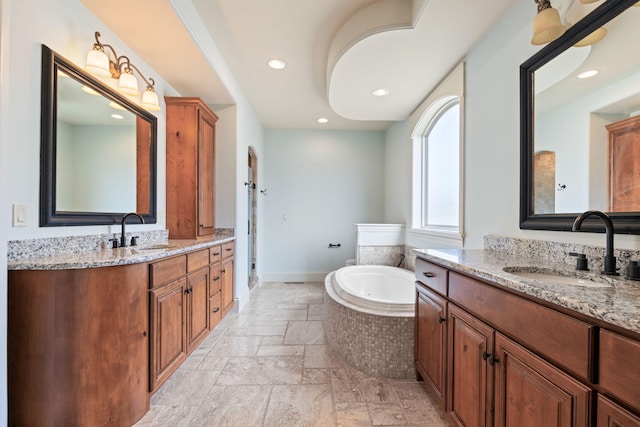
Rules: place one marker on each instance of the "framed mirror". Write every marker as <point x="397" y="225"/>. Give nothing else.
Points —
<point x="571" y="159"/>
<point x="98" y="150"/>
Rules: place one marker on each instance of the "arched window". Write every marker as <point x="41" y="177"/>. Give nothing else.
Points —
<point x="441" y="170"/>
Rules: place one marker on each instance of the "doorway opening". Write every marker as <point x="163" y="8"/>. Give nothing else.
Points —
<point x="252" y="203"/>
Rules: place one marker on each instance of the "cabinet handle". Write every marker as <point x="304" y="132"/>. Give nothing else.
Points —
<point x="441" y="320"/>
<point x="215" y="279"/>
<point x="493" y="360"/>
<point x="217" y="309"/>
<point x="490" y="358"/>
<point x="144" y="333"/>
<point x="224" y="271"/>
<point x="216" y="254"/>
<point x="228" y="249"/>
<point x="429" y="274"/>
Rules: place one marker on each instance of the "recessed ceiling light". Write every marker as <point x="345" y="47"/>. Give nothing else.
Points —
<point x="117" y="116"/>
<point x="323" y="120"/>
<point x="380" y="92"/>
<point x="277" y="64"/>
<point x="587" y="74"/>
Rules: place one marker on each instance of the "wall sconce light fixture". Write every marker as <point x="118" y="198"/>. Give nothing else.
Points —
<point x="546" y="25"/>
<point x="121" y="68"/>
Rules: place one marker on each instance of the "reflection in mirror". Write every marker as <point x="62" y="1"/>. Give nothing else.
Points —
<point x="98" y="150"/>
<point x="572" y="113"/>
<point x="578" y="149"/>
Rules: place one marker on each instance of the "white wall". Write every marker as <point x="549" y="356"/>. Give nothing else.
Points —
<point x="67" y="27"/>
<point x="397" y="185"/>
<point x="492" y="140"/>
<point x="322" y="182"/>
<point x="4" y="207"/>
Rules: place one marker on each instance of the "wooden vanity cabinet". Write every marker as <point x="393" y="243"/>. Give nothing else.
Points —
<point x="168" y="318"/>
<point x="197" y="296"/>
<point x="227" y="277"/>
<point x="77" y="346"/>
<point x="509" y="361"/>
<point x="611" y="414"/>
<point x="430" y="342"/>
<point x="190" y="171"/>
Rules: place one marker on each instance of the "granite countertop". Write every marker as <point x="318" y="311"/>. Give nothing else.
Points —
<point x="111" y="257"/>
<point x="618" y="305"/>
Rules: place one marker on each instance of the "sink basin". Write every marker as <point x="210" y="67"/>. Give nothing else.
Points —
<point x="159" y="246"/>
<point x="558" y="277"/>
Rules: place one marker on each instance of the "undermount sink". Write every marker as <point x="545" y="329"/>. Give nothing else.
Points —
<point x="558" y="277"/>
<point x="159" y="246"/>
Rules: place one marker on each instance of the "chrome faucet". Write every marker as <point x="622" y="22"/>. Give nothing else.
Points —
<point x="123" y="240"/>
<point x="609" y="259"/>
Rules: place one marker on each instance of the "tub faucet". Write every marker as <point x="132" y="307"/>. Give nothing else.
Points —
<point x="609" y="259"/>
<point x="123" y="240"/>
<point x="401" y="259"/>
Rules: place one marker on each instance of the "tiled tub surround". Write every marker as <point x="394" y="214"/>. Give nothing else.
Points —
<point x="386" y="255"/>
<point x="76" y="252"/>
<point x="377" y="344"/>
<point x="618" y="305"/>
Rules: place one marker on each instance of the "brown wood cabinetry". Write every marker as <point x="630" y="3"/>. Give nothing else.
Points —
<point x="511" y="361"/>
<point x="197" y="307"/>
<point x="470" y="377"/>
<point x="227" y="277"/>
<point x="78" y="346"/>
<point x="530" y="391"/>
<point x="168" y="340"/>
<point x="611" y="414"/>
<point x="190" y="168"/>
<point x="430" y="345"/>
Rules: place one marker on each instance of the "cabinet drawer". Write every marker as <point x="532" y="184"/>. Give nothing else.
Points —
<point x="197" y="260"/>
<point x="432" y="275"/>
<point x="215" y="253"/>
<point x="167" y="270"/>
<point x="227" y="249"/>
<point x="215" y="279"/>
<point x="619" y="367"/>
<point x="567" y="341"/>
<point x="215" y="310"/>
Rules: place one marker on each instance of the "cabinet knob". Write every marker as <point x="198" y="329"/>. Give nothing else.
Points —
<point x="144" y="333"/>
<point x="441" y="320"/>
<point x="224" y="271"/>
<point x="429" y="274"/>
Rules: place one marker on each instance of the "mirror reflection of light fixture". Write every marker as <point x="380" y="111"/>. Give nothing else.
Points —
<point x="546" y="25"/>
<point x="592" y="38"/>
<point x="121" y="68"/>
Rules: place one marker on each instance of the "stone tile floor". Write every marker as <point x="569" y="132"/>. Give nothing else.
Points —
<point x="269" y="366"/>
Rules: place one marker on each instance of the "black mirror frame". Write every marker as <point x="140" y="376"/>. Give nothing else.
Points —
<point x="49" y="217"/>
<point x="625" y="223"/>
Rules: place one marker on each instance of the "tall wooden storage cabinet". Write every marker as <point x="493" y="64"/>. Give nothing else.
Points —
<point x="191" y="127"/>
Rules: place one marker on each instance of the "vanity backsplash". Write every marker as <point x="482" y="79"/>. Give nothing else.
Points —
<point x="558" y="251"/>
<point x="51" y="246"/>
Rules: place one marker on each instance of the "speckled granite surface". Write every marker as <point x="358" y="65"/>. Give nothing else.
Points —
<point x="618" y="305"/>
<point x="77" y="252"/>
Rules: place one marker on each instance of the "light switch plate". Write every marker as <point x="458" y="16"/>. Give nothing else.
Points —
<point x="19" y="215"/>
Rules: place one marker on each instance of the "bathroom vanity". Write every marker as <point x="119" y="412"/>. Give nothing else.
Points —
<point x="497" y="348"/>
<point x="91" y="336"/>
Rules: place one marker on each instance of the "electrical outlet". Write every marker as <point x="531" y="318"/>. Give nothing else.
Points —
<point x="19" y="215"/>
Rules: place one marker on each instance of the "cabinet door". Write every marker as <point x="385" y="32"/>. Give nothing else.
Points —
<point x="206" y="175"/>
<point x="612" y="415"/>
<point x="470" y="374"/>
<point x="197" y="312"/>
<point x="531" y="392"/>
<point x="227" y="284"/>
<point x="168" y="341"/>
<point x="430" y="339"/>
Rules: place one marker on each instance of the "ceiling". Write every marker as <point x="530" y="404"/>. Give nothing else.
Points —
<point x="337" y="52"/>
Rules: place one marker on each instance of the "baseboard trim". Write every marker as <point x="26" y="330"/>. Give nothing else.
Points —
<point x="293" y="277"/>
